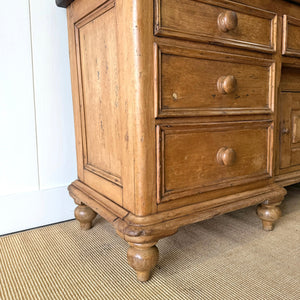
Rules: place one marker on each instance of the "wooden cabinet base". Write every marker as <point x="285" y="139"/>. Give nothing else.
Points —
<point x="142" y="233"/>
<point x="184" y="110"/>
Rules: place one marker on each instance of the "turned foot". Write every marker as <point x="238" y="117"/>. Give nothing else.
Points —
<point x="269" y="213"/>
<point x="142" y="258"/>
<point x="85" y="216"/>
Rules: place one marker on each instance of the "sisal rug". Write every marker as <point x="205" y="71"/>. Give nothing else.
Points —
<point x="228" y="257"/>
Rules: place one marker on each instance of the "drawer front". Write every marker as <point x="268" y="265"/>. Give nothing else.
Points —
<point x="198" y="158"/>
<point x="291" y="33"/>
<point x="194" y="83"/>
<point x="221" y="22"/>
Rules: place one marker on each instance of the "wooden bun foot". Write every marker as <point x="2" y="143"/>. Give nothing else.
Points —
<point x="142" y="258"/>
<point x="85" y="216"/>
<point x="269" y="214"/>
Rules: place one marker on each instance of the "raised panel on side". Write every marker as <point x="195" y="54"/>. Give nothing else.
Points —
<point x="100" y="113"/>
<point x="289" y="131"/>
<point x="295" y="154"/>
<point x="191" y="161"/>
<point x="296" y="127"/>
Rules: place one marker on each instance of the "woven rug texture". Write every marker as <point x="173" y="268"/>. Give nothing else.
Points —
<point x="227" y="257"/>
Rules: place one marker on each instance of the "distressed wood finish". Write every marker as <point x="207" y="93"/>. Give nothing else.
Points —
<point x="289" y="106"/>
<point x="184" y="89"/>
<point x="290" y="126"/>
<point x="202" y="20"/>
<point x="188" y="157"/>
<point x="99" y="87"/>
<point x="291" y="32"/>
<point x="184" y="110"/>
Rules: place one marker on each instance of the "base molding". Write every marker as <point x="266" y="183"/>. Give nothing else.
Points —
<point x="288" y="179"/>
<point x="147" y="229"/>
<point x="143" y="232"/>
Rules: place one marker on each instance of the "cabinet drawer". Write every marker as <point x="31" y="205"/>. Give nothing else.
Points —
<point x="193" y="83"/>
<point x="291" y="33"/>
<point x="220" y="22"/>
<point x="197" y="158"/>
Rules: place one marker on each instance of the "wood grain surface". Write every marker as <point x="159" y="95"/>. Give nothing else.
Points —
<point x="184" y="110"/>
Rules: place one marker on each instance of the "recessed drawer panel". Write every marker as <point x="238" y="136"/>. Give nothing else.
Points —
<point x="194" y="83"/>
<point x="202" y="157"/>
<point x="291" y="34"/>
<point x="220" y="22"/>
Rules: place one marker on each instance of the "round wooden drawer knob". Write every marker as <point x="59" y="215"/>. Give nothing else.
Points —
<point x="227" y="21"/>
<point x="227" y="84"/>
<point x="226" y="156"/>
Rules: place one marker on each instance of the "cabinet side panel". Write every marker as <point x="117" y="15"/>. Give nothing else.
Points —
<point x="97" y="104"/>
<point x="100" y="94"/>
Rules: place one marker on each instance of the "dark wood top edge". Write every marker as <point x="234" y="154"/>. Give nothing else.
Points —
<point x="66" y="3"/>
<point x="63" y="3"/>
<point x="294" y="1"/>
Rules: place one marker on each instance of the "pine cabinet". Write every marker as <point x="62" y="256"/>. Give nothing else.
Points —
<point x="184" y="110"/>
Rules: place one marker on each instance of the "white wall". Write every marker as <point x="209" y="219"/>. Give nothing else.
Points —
<point x="37" y="152"/>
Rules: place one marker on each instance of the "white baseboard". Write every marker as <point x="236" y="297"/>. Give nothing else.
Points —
<point x="34" y="209"/>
